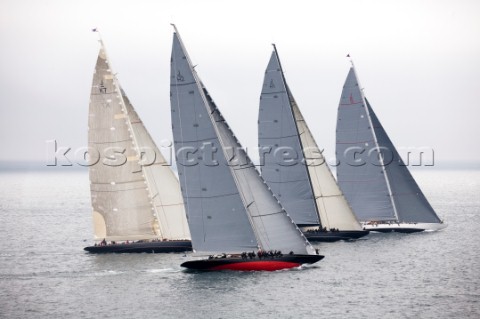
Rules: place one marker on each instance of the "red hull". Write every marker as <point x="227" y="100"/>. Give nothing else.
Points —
<point x="257" y="266"/>
<point x="270" y="263"/>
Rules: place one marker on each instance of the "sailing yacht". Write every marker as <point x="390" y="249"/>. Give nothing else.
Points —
<point x="306" y="186"/>
<point x="371" y="173"/>
<point x="230" y="209"/>
<point x="136" y="199"/>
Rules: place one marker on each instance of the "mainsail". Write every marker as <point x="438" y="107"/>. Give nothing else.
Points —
<point x="306" y="186"/>
<point x="229" y="206"/>
<point x="130" y="200"/>
<point x="371" y="173"/>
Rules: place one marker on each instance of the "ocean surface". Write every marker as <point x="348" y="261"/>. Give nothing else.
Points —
<point x="45" y="221"/>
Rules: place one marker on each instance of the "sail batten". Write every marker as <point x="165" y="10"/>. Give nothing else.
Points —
<point x="252" y="217"/>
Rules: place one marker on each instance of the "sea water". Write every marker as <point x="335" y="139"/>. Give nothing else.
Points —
<point x="45" y="221"/>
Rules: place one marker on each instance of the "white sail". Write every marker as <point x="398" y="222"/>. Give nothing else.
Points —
<point x="121" y="190"/>
<point x="333" y="208"/>
<point x="270" y="225"/>
<point x="163" y="185"/>
<point x="303" y="188"/>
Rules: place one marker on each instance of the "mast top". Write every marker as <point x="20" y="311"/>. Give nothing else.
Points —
<point x="174" y="27"/>
<point x="184" y="50"/>
<point x="351" y="60"/>
<point x="279" y="63"/>
<point x="99" y="36"/>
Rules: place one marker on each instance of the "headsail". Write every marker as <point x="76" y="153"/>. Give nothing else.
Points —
<point x="281" y="124"/>
<point x="163" y="185"/>
<point x="410" y="202"/>
<point x="229" y="206"/>
<point x="371" y="173"/>
<point x="123" y="208"/>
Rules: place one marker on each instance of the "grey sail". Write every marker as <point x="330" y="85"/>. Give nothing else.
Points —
<point x="371" y="173"/>
<point x="282" y="125"/>
<point x="277" y="133"/>
<point x="215" y="211"/>
<point x="123" y="208"/>
<point x="410" y="202"/>
<point x="229" y="206"/>
<point x="359" y="172"/>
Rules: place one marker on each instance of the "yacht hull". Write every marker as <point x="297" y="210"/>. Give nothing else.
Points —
<point x="255" y="264"/>
<point x="171" y="246"/>
<point x="335" y="236"/>
<point x="404" y="227"/>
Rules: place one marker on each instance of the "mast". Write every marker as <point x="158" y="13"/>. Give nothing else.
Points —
<point x="376" y="142"/>
<point x="290" y="98"/>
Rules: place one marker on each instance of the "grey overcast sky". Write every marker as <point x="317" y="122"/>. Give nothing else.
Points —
<point x="418" y="61"/>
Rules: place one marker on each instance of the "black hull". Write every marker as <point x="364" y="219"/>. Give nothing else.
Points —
<point x="335" y="236"/>
<point x="254" y="264"/>
<point x="172" y="246"/>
